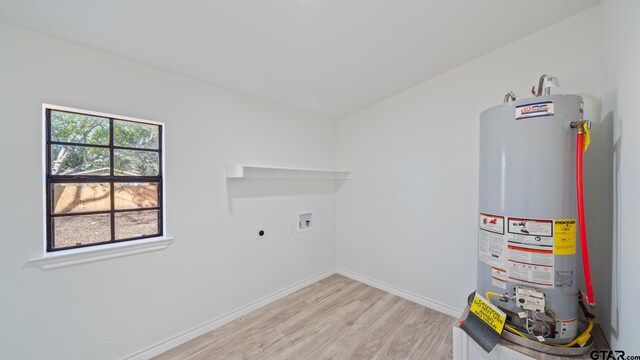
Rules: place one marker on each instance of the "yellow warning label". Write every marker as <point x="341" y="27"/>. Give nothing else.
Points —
<point x="488" y="313"/>
<point x="564" y="237"/>
<point x="587" y="137"/>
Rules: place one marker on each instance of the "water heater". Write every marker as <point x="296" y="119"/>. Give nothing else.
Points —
<point x="529" y="223"/>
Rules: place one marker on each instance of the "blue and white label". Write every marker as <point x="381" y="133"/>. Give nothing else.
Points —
<point x="527" y="111"/>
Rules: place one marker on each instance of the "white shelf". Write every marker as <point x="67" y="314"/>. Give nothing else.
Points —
<point x="240" y="171"/>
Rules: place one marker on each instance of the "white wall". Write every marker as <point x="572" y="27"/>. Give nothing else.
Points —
<point x="109" y="309"/>
<point x="409" y="218"/>
<point x="620" y="103"/>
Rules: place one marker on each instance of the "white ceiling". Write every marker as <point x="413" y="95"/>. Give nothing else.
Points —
<point x="327" y="57"/>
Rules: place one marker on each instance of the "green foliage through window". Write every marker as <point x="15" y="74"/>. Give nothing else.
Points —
<point x="79" y="129"/>
<point x="85" y="159"/>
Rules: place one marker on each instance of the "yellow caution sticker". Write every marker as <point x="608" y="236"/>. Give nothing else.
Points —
<point x="488" y="313"/>
<point x="587" y="137"/>
<point x="564" y="237"/>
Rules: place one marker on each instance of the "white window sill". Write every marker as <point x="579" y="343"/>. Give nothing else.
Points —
<point x="89" y="254"/>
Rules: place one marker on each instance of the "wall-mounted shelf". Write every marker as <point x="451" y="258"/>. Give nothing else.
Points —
<point x="244" y="171"/>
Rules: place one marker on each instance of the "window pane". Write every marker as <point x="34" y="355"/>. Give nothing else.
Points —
<point x="136" y="163"/>
<point x="74" y="198"/>
<point x="77" y="230"/>
<point x="136" y="195"/>
<point x="76" y="128"/>
<point x="79" y="160"/>
<point x="136" y="223"/>
<point x="135" y="135"/>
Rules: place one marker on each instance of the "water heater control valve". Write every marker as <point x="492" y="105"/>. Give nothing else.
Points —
<point x="530" y="298"/>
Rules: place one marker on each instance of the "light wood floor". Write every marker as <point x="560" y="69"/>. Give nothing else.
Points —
<point x="335" y="318"/>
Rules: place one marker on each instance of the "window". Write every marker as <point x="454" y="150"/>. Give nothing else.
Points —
<point x="103" y="179"/>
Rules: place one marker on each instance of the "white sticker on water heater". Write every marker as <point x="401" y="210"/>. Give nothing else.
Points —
<point x="533" y="110"/>
<point x="530" y="266"/>
<point x="530" y="257"/>
<point x="499" y="277"/>
<point x="493" y="223"/>
<point x="569" y="328"/>
<point x="531" y="227"/>
<point x="492" y="241"/>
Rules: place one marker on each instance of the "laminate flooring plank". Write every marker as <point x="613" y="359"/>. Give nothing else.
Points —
<point x="335" y="318"/>
<point x="309" y="331"/>
<point x="413" y="334"/>
<point x="239" y="328"/>
<point x="345" y="342"/>
<point x="437" y="342"/>
<point x="378" y="338"/>
<point x="262" y="336"/>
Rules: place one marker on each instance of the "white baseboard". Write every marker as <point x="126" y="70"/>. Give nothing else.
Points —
<point x="176" y="340"/>
<point x="432" y="304"/>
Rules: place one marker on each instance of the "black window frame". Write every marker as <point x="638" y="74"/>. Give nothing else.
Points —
<point x="111" y="179"/>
